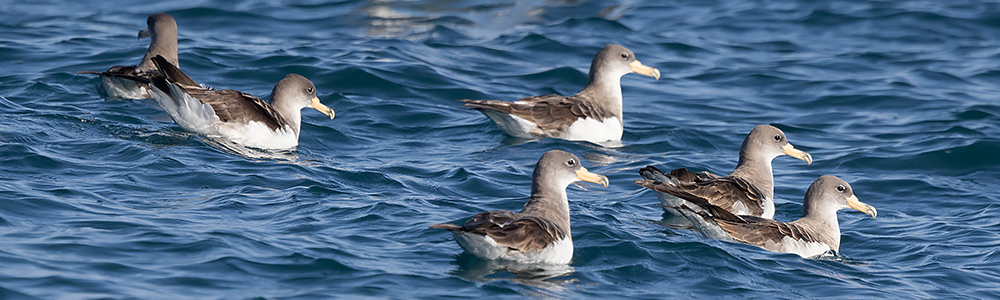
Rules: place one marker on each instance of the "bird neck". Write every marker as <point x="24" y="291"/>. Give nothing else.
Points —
<point x="819" y="211"/>
<point x="607" y="86"/>
<point x="161" y="43"/>
<point x="824" y="220"/>
<point x="548" y="202"/>
<point x="758" y="172"/>
<point x="291" y="114"/>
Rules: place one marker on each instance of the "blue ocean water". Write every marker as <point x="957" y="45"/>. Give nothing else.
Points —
<point x="111" y="199"/>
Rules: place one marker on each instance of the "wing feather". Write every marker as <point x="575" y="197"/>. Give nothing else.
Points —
<point x="229" y="105"/>
<point x="548" y="112"/>
<point x="723" y="192"/>
<point x="514" y="231"/>
<point x="763" y="232"/>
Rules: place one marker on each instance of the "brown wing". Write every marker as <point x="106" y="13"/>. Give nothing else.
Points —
<point x="764" y="233"/>
<point x="236" y="106"/>
<point x="229" y="105"/>
<point x="549" y="112"/>
<point x="517" y="232"/>
<point x="719" y="191"/>
<point x="708" y="210"/>
<point x="480" y="221"/>
<point x="759" y="231"/>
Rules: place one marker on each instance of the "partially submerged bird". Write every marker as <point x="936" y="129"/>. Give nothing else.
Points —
<point x="237" y="116"/>
<point x="748" y="190"/>
<point x="132" y="82"/>
<point x="594" y="114"/>
<point x="815" y="234"/>
<point x="540" y="233"/>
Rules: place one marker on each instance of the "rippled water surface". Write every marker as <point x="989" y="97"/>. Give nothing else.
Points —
<point x="112" y="199"/>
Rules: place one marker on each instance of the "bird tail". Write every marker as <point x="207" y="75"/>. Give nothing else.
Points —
<point x="168" y="89"/>
<point x="697" y="210"/>
<point x="502" y="114"/>
<point x="652" y="173"/>
<point x="496" y="105"/>
<point x="655" y="177"/>
<point x="172" y="73"/>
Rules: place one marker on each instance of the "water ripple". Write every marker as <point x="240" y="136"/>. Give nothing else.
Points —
<point x="110" y="199"/>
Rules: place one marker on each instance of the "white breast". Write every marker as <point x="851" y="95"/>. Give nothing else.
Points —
<point x="560" y="252"/>
<point x="258" y="135"/>
<point x="594" y="131"/>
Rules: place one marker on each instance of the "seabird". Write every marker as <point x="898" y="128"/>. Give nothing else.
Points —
<point x="240" y="117"/>
<point x="748" y="190"/>
<point x="594" y="114"/>
<point x="540" y="233"/>
<point x="815" y="234"/>
<point x="132" y="82"/>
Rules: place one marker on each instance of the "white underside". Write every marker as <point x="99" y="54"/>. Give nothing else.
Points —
<point x="560" y="252"/>
<point x="194" y="116"/>
<point x="802" y="248"/>
<point x="112" y="87"/>
<point x="258" y="135"/>
<point x="594" y="131"/>
<point x="588" y="129"/>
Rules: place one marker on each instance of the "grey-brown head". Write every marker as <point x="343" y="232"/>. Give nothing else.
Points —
<point x="829" y="193"/>
<point x="295" y="92"/>
<point x="765" y="142"/>
<point x="557" y="169"/>
<point x="161" y="29"/>
<point x="614" y="61"/>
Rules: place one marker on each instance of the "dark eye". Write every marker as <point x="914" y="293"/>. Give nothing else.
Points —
<point x="841" y="188"/>
<point x="571" y="163"/>
<point x="624" y="55"/>
<point x="777" y="137"/>
<point x="310" y="90"/>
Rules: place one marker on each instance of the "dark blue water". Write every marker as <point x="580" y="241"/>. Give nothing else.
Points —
<point x="111" y="199"/>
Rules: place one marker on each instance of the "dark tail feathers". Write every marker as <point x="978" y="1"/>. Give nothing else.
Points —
<point x="172" y="73"/>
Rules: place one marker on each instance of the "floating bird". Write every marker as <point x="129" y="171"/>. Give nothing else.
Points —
<point x="594" y="114"/>
<point x="815" y="234"/>
<point x="748" y="190"/>
<point x="240" y="117"/>
<point x="132" y="82"/>
<point x="540" y="233"/>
